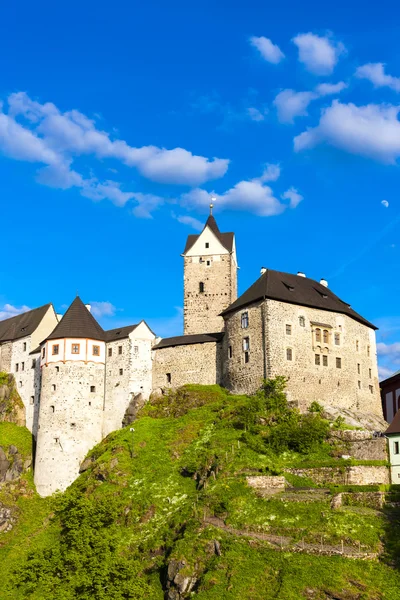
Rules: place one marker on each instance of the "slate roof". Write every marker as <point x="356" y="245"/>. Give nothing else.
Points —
<point x="294" y="289"/>
<point x="78" y="322"/>
<point x="186" y="340"/>
<point x="22" y="325"/>
<point x="119" y="333"/>
<point x="394" y="426"/>
<point x="226" y="239"/>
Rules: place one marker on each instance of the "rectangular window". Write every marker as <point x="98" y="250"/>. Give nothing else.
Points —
<point x="325" y="360"/>
<point x="207" y="245"/>
<point x="22" y="366"/>
<point x="326" y="336"/>
<point x="24" y="346"/>
<point x="135" y="349"/>
<point x="396" y="448"/>
<point x="201" y="287"/>
<point x="337" y="339"/>
<point x="55" y="349"/>
<point x="96" y="350"/>
<point x="358" y="368"/>
<point x="230" y="351"/>
<point x="317" y="335"/>
<point x="338" y="363"/>
<point x="43" y="352"/>
<point x="357" y="345"/>
<point x="32" y="399"/>
<point x="359" y="385"/>
<point x="75" y="348"/>
<point x="53" y="388"/>
<point x="92" y="388"/>
<point x="245" y="320"/>
<point x="110" y="352"/>
<point x="317" y="359"/>
<point x="246" y="357"/>
<point x="121" y="371"/>
<point x="169" y="378"/>
<point x="119" y="349"/>
<point x="33" y="363"/>
<point x="368" y="350"/>
<point x="371" y="389"/>
<point x="208" y="263"/>
<point x="288" y="330"/>
<point x="17" y="368"/>
<point x="246" y="344"/>
<point x="302" y="322"/>
<point x="289" y="354"/>
<point x="370" y="373"/>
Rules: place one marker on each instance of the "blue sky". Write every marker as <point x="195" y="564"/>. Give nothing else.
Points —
<point x="119" y="119"/>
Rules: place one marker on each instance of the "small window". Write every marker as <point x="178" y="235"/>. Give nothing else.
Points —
<point x="33" y="363"/>
<point x="245" y="320"/>
<point x="359" y="385"/>
<point x="52" y="409"/>
<point x="289" y="354"/>
<point x="43" y="352"/>
<point x="201" y="287"/>
<point x="317" y="335"/>
<point x="73" y="425"/>
<point x="17" y="368"/>
<point x="22" y="366"/>
<point x="20" y="384"/>
<point x="317" y="359"/>
<point x="337" y="339"/>
<point x="96" y="350"/>
<point x="110" y="352"/>
<point x="169" y="378"/>
<point x="207" y="245"/>
<point x="357" y="345"/>
<point x="324" y="360"/>
<point x="24" y="346"/>
<point x="75" y="348"/>
<point x="121" y="371"/>
<point x="368" y="350"/>
<point x="136" y="349"/>
<point x="302" y="322"/>
<point x="370" y="373"/>
<point x="326" y="336"/>
<point x="246" y="344"/>
<point x="119" y="349"/>
<point x="92" y="388"/>
<point x="53" y="387"/>
<point x="55" y="349"/>
<point x="338" y="363"/>
<point x="230" y="351"/>
<point x="57" y="440"/>
<point x="358" y="368"/>
<point x="246" y="357"/>
<point x="208" y="263"/>
<point x="288" y="330"/>
<point x="32" y="400"/>
<point x="57" y="369"/>
<point x="396" y="448"/>
<point x="371" y="389"/>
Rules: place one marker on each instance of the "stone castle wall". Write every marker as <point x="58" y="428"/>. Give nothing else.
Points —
<point x="194" y="363"/>
<point x="71" y="415"/>
<point x="201" y="309"/>
<point x="26" y="377"/>
<point x="5" y="357"/>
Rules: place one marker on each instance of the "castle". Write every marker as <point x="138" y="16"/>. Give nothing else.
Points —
<point x="77" y="381"/>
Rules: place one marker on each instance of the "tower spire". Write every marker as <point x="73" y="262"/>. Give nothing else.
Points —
<point x="213" y="199"/>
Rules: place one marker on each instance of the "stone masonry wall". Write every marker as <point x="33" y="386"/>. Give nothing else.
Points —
<point x="70" y="422"/>
<point x="195" y="363"/>
<point x="5" y="357"/>
<point x="117" y="389"/>
<point x="357" y="475"/>
<point x="201" y="310"/>
<point x="25" y="376"/>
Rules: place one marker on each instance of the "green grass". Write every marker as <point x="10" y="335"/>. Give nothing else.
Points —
<point x="141" y="504"/>
<point x="11" y="434"/>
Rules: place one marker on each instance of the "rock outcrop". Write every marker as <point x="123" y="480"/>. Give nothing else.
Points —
<point x="12" y="408"/>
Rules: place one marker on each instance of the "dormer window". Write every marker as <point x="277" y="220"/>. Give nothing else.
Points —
<point x="207" y="245"/>
<point x="201" y="287"/>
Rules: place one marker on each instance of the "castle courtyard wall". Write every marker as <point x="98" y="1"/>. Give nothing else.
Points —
<point x="191" y="363"/>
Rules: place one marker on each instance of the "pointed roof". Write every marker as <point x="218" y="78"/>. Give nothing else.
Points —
<point x="394" y="426"/>
<point x="78" y="322"/>
<point x="294" y="289"/>
<point x="226" y="239"/>
<point x="22" y="325"/>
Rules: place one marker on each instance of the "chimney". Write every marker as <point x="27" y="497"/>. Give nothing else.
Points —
<point x="89" y="307"/>
<point x="263" y="270"/>
<point x="324" y="282"/>
<point x="300" y="274"/>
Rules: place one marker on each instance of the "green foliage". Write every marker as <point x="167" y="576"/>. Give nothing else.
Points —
<point x="11" y="434"/>
<point x="300" y="433"/>
<point x="273" y="390"/>
<point x="315" y="408"/>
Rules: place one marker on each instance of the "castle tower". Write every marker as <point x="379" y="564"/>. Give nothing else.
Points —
<point x="72" y="398"/>
<point x="210" y="278"/>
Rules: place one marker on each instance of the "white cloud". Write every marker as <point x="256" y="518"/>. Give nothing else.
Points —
<point x="255" y="114"/>
<point x="291" y="104"/>
<point x="252" y="196"/>
<point x="384" y="372"/>
<point x="147" y="203"/>
<point x="293" y="196"/>
<point x="318" y="54"/>
<point x="328" y="89"/>
<point x="103" y="309"/>
<point x="392" y="350"/>
<point x="191" y="221"/>
<point x="385" y="203"/>
<point x="269" y="51"/>
<point x="375" y="72"/>
<point x="271" y="172"/>
<point x="8" y="311"/>
<point x="372" y="131"/>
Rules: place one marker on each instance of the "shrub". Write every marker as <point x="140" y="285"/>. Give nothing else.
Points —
<point x="300" y="433"/>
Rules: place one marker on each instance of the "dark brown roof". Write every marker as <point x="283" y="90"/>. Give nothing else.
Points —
<point x="394" y="426"/>
<point x="186" y="340"/>
<point x="78" y="322"/>
<point x="22" y="325"/>
<point x="119" y="333"/>
<point x="294" y="289"/>
<point x="226" y="239"/>
<point x="392" y="379"/>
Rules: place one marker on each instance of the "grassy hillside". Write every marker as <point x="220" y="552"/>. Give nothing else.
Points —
<point x="165" y="511"/>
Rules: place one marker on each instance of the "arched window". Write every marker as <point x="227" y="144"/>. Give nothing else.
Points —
<point x="317" y="335"/>
<point x="326" y="336"/>
<point x="302" y="322"/>
<point x="201" y="287"/>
